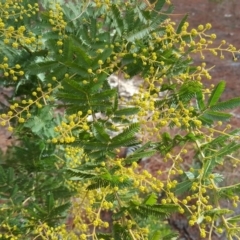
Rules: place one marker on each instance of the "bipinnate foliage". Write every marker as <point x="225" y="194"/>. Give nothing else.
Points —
<point x="64" y="178"/>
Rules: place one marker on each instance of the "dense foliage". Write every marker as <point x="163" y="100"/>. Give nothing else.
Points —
<point x="64" y="178"/>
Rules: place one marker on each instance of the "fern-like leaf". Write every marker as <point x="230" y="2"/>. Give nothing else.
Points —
<point x="129" y="132"/>
<point x="140" y="155"/>
<point x="117" y="19"/>
<point x="140" y="34"/>
<point x="142" y="15"/>
<point x="42" y="67"/>
<point x="77" y="174"/>
<point x="100" y="133"/>
<point x="200" y="102"/>
<point x="216" y="94"/>
<point x="216" y="116"/>
<point x="229" y="104"/>
<point x="229" y="149"/>
<point x="127" y="111"/>
<point x="180" y="25"/>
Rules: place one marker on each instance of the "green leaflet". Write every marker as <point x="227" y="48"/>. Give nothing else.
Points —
<point x="100" y="133"/>
<point x="168" y="143"/>
<point x="219" y="212"/>
<point x="135" y="156"/>
<point x="93" y="28"/>
<point x="79" y="52"/>
<point x="10" y="176"/>
<point x="84" y="36"/>
<point x="104" y="236"/>
<point x="82" y="97"/>
<point x="117" y="19"/>
<point x="200" y="102"/>
<point x="15" y="191"/>
<point x="130" y="21"/>
<point x="42" y="67"/>
<point x="42" y="124"/>
<point x="218" y="178"/>
<point x="169" y="236"/>
<point x="151" y="199"/>
<point x="158" y="6"/>
<point x="229" y="104"/>
<point x="77" y="68"/>
<point x="72" y="86"/>
<point x="115" y="103"/>
<point x="57" y="211"/>
<point x="216" y="93"/>
<point x="139" y="34"/>
<point x="49" y="202"/>
<point x="216" y="116"/>
<point x="68" y="50"/>
<point x="156" y="210"/>
<point x="208" y="166"/>
<point x="146" y="211"/>
<point x="112" y="182"/>
<point x="234" y="219"/>
<point x="127" y="111"/>
<point x="72" y="98"/>
<point x="101" y="155"/>
<point x="40" y="210"/>
<point x="115" y="143"/>
<point x="217" y="156"/>
<point x="231" y="190"/>
<point x="77" y="174"/>
<point x="179" y="28"/>
<point x="101" y="56"/>
<point x="222" y="139"/>
<point x="143" y="15"/>
<point x="120" y="232"/>
<point x="230" y="148"/>
<point x="160" y="18"/>
<point x="156" y="235"/>
<point x="183" y="187"/>
<point x="123" y="142"/>
<point x="128" y="132"/>
<point x="103" y="95"/>
<point x="189" y="90"/>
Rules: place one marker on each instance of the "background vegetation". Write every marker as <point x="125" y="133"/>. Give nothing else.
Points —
<point x="64" y="178"/>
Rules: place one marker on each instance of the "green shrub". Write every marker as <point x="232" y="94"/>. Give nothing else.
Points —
<point x="64" y="178"/>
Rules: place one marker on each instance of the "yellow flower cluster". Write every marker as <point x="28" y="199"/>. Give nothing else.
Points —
<point x="56" y="19"/>
<point x="75" y="156"/>
<point x="74" y="122"/>
<point x="199" y="39"/>
<point x="9" y="232"/>
<point x="15" y="10"/>
<point x="11" y="72"/>
<point x="88" y="205"/>
<point x="58" y="24"/>
<point x="44" y="231"/>
<point x="21" y="110"/>
<point x="16" y="36"/>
